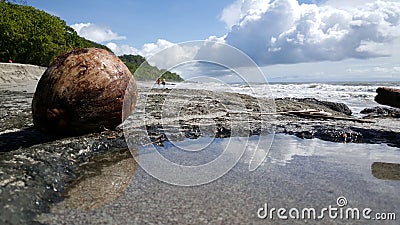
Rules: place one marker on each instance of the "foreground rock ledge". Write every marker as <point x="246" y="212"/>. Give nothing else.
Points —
<point x="82" y="92"/>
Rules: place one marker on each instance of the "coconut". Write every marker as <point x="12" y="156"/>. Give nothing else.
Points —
<point x="83" y="91"/>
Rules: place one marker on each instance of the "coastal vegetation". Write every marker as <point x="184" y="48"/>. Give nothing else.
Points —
<point x="32" y="36"/>
<point x="147" y="71"/>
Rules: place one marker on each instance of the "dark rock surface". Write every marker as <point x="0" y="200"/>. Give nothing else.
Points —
<point x="379" y="111"/>
<point x="35" y="176"/>
<point x="388" y="96"/>
<point x="338" y="107"/>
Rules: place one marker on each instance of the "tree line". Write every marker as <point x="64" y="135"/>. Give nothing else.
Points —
<point x="29" y="35"/>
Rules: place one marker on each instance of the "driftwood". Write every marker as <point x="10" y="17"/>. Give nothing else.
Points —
<point x="388" y="96"/>
<point x="313" y="113"/>
<point x="324" y="115"/>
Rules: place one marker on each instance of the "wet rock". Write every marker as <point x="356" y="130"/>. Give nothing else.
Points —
<point x="222" y="132"/>
<point x="388" y="96"/>
<point x="333" y="134"/>
<point x="381" y="112"/>
<point x="335" y="106"/>
<point x="297" y="104"/>
<point x="82" y="92"/>
<point x="378" y="136"/>
<point x="386" y="171"/>
<point x="305" y="135"/>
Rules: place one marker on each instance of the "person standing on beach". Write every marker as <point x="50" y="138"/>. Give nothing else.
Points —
<point x="158" y="81"/>
<point x="163" y="82"/>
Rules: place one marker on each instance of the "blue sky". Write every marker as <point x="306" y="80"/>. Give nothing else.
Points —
<point x="305" y="40"/>
<point x="144" y="21"/>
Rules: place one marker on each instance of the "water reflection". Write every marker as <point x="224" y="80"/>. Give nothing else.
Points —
<point x="99" y="182"/>
<point x="286" y="148"/>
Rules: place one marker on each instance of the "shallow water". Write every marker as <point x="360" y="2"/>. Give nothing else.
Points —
<point x="296" y="174"/>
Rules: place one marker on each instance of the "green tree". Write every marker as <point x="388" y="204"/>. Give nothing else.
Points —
<point x="29" y="35"/>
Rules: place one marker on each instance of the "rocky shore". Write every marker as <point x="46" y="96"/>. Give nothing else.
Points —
<point x="35" y="168"/>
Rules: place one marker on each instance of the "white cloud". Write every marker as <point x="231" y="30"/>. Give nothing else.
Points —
<point x="154" y="54"/>
<point x="147" y="50"/>
<point x="393" y="70"/>
<point x="231" y="14"/>
<point x="346" y="4"/>
<point x="283" y="31"/>
<point x="173" y="56"/>
<point x="150" y="49"/>
<point x="122" y="49"/>
<point x="96" y="32"/>
<point x="216" y="39"/>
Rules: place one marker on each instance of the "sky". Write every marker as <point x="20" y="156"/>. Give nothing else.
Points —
<point x="290" y="40"/>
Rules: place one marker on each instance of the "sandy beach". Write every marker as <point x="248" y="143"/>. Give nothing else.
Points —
<point x="43" y="177"/>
